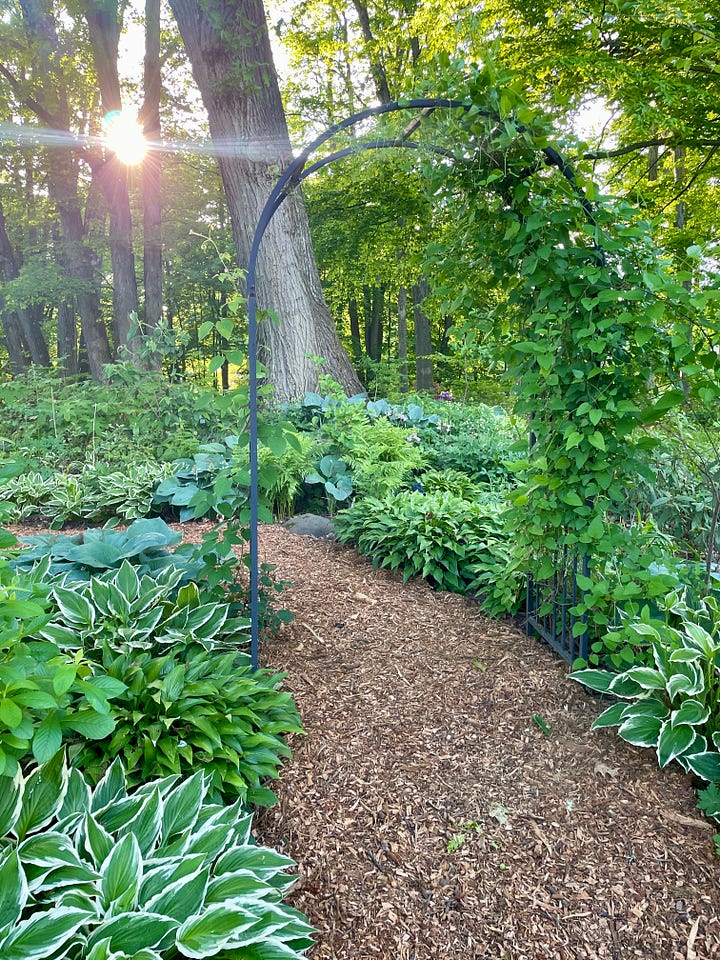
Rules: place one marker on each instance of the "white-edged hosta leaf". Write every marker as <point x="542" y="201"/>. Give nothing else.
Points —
<point x="11" y="797"/>
<point x="691" y="711"/>
<point x="77" y="796"/>
<point x="700" y="638"/>
<point x="182" y="806"/>
<point x="594" y="679"/>
<point x="98" y="842"/>
<point x="112" y="787"/>
<point x="157" y="878"/>
<point x="101" y="951"/>
<point x="271" y="949"/>
<point x="49" y="849"/>
<point x="264" y="862"/>
<point x="131" y="932"/>
<point x="146" y="823"/>
<point x="43" y="796"/>
<point x="673" y="741"/>
<point x="13" y="889"/>
<point x="641" y="730"/>
<point x="127" y="580"/>
<point x="117" y="814"/>
<point x="646" y="677"/>
<point x="183" y="898"/>
<point x="210" y="840"/>
<point x="207" y="933"/>
<point x="687" y="678"/>
<point x="611" y="717"/>
<point x="243" y="884"/>
<point x="43" y="934"/>
<point x="121" y="875"/>
<point x="76" y="609"/>
<point x="706" y="765"/>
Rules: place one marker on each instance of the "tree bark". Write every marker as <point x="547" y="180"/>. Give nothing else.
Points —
<point x="355" y="330"/>
<point x="22" y="330"/>
<point x="402" y="339"/>
<point x="67" y="345"/>
<point x="423" y="339"/>
<point x="229" y="49"/>
<point x="373" y="301"/>
<point x="152" y="172"/>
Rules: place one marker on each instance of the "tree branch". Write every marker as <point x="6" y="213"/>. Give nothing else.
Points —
<point x="644" y="144"/>
<point x="31" y="102"/>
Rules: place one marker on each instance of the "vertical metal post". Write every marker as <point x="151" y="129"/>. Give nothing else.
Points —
<point x="253" y="441"/>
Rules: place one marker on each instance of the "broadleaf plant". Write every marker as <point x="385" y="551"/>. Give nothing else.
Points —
<point x="161" y="873"/>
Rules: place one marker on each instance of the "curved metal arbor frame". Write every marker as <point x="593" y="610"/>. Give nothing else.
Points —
<point x="294" y="175"/>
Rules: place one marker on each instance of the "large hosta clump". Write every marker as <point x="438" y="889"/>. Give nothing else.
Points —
<point x="157" y="874"/>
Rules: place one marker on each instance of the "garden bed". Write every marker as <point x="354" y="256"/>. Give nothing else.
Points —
<point x="449" y="801"/>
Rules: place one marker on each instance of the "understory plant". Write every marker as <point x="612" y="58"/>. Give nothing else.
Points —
<point x="159" y="873"/>
<point x="672" y="706"/>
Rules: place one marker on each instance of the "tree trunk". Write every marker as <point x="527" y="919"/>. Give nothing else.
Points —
<point x="402" y="339"/>
<point x="152" y="172"/>
<point x="229" y="48"/>
<point x="13" y="340"/>
<point x="104" y="21"/>
<point x="423" y="339"/>
<point x="373" y="301"/>
<point x="28" y="326"/>
<point x="67" y="346"/>
<point x="355" y="330"/>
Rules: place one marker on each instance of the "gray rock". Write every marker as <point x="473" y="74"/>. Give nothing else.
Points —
<point x="311" y="525"/>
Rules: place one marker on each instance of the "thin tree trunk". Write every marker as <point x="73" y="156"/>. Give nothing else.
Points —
<point x="25" y="323"/>
<point x="423" y="339"/>
<point x="402" y="339"/>
<point x="229" y="48"/>
<point x="152" y="172"/>
<point x="67" y="339"/>
<point x="377" y="68"/>
<point x="355" y="330"/>
<point x="374" y="298"/>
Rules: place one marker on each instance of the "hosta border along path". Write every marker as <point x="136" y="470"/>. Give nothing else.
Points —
<point x="588" y="312"/>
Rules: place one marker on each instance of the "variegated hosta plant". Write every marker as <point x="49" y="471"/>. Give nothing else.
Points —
<point x="157" y="874"/>
<point x="675" y="705"/>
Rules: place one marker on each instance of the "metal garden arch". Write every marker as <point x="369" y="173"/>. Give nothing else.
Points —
<point x="292" y="177"/>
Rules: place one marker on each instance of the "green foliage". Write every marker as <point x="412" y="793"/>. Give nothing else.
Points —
<point x="675" y="703"/>
<point x="440" y="537"/>
<point x="159" y="873"/>
<point x="184" y="698"/>
<point x="332" y="473"/>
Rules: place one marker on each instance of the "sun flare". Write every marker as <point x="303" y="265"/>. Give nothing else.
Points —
<point x="123" y="135"/>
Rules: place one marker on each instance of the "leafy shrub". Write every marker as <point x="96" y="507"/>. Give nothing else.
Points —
<point x="156" y="874"/>
<point x="474" y="439"/>
<point x="181" y="702"/>
<point x="675" y="703"/>
<point x="440" y="537"/>
<point x="456" y="483"/>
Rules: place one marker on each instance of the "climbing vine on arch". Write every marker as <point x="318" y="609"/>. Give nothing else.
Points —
<point x="594" y="330"/>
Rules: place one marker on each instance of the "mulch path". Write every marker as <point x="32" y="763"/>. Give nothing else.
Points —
<point x="429" y="813"/>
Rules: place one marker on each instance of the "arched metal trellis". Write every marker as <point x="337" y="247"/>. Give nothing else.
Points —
<point x="292" y="177"/>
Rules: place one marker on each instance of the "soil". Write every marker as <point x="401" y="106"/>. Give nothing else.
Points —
<point x="448" y="799"/>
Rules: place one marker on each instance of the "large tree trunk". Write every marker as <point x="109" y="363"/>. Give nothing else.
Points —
<point x="402" y="339"/>
<point x="229" y="48"/>
<point x="423" y="339"/>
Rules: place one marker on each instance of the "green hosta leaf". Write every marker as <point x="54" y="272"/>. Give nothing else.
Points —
<point x="170" y="870"/>
<point x="646" y="677"/>
<point x="594" y="679"/>
<point x="43" y="934"/>
<point x="146" y="824"/>
<point x="121" y="875"/>
<point x="612" y="717"/>
<point x="692" y="711"/>
<point x="183" y="898"/>
<point x="265" y="863"/>
<point x="77" y="796"/>
<point x="673" y="742"/>
<point x="47" y="740"/>
<point x="700" y="638"/>
<point x="641" y="730"/>
<point x="74" y="607"/>
<point x="43" y="796"/>
<point x="206" y="934"/>
<point x="182" y="806"/>
<point x="131" y="932"/>
<point x="237" y="886"/>
<point x="98" y="842"/>
<point x="706" y="765"/>
<point x="688" y="680"/>
<point x="11" y="798"/>
<point x="13" y="890"/>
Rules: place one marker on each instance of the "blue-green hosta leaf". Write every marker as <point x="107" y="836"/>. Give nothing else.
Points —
<point x="121" y="876"/>
<point x="182" y="806"/>
<point x="207" y="933"/>
<point x="43" y="796"/>
<point x="641" y="730"/>
<point x="183" y="898"/>
<point x="594" y="679"/>
<point x="673" y="742"/>
<point x="706" y="765"/>
<point x="112" y="787"/>
<point x="13" y="889"/>
<point x="146" y="823"/>
<point x="612" y="717"/>
<point x="11" y="798"/>
<point x="691" y="711"/>
<point x="43" y="934"/>
<point x="131" y="932"/>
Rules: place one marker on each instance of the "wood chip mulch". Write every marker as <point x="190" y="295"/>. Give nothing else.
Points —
<point x="429" y="813"/>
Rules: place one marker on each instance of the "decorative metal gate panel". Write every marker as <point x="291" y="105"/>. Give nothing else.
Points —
<point x="549" y="604"/>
